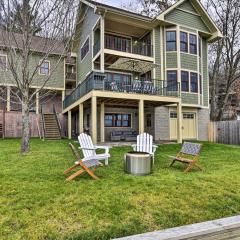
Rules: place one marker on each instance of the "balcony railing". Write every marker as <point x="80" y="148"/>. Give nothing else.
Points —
<point x="126" y="45"/>
<point x="99" y="81"/>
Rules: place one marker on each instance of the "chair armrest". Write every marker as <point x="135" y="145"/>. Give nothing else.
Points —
<point x="103" y="147"/>
<point x="154" y="148"/>
<point x="87" y="148"/>
<point x="134" y="146"/>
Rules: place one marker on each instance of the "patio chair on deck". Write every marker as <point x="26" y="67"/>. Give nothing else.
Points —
<point x="87" y="166"/>
<point x="145" y="144"/>
<point x="189" y="154"/>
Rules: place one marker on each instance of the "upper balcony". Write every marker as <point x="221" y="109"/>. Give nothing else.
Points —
<point x="123" y="40"/>
<point x="101" y="82"/>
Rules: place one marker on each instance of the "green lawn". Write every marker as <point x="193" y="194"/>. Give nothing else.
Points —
<point x="37" y="203"/>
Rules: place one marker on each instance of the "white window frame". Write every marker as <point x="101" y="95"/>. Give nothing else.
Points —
<point x="87" y="39"/>
<point x="49" y="69"/>
<point x="4" y="55"/>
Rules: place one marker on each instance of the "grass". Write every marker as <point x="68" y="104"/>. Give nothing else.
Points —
<point x="37" y="203"/>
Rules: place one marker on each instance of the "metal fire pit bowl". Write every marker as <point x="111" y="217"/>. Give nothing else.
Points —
<point x="138" y="163"/>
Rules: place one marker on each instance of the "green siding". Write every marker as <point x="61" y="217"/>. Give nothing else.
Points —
<point x="171" y="60"/>
<point x="187" y="6"/>
<point x="157" y="51"/>
<point x="187" y="19"/>
<point x="84" y="67"/>
<point x="189" y="62"/>
<point x="188" y="29"/>
<point x="205" y="72"/>
<point x="56" y="70"/>
<point x="189" y="98"/>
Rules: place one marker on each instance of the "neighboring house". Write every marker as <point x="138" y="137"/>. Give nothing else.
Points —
<point x="162" y="88"/>
<point x="61" y="69"/>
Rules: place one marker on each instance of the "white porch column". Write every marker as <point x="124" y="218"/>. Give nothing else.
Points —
<point x="37" y="103"/>
<point x="8" y="98"/>
<point x="81" y="118"/>
<point x="94" y="119"/>
<point x="102" y="33"/>
<point x="102" y="117"/>
<point x="141" y="116"/>
<point x="70" y="124"/>
<point x="179" y="122"/>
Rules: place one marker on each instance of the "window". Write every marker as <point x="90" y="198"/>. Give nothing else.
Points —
<point x="149" y="119"/>
<point x="173" y="115"/>
<point x="193" y="43"/>
<point x="171" y="44"/>
<point x="85" y="49"/>
<point x="3" y="62"/>
<point x="188" y="115"/>
<point x="117" y="120"/>
<point x="172" y="80"/>
<point x="194" y="82"/>
<point x="44" y="68"/>
<point x="200" y="83"/>
<point x="185" y="81"/>
<point x="184" y="42"/>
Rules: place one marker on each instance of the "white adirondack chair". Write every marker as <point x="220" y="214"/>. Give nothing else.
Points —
<point x="89" y="150"/>
<point x="145" y="144"/>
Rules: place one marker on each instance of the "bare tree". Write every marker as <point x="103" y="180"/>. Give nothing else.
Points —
<point x="30" y="28"/>
<point x="224" y="55"/>
<point x="148" y="8"/>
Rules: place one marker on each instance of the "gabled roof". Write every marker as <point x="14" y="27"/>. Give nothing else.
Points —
<point x="214" y="30"/>
<point x="38" y="44"/>
<point x="201" y="10"/>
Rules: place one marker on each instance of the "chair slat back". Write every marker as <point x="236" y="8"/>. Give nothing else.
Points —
<point x="145" y="143"/>
<point x="85" y="141"/>
<point x="191" y="148"/>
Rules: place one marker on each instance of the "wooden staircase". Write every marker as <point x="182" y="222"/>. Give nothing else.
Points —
<point x="51" y="128"/>
<point x="1" y="130"/>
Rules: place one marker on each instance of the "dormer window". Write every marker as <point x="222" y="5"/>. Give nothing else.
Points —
<point x="171" y="44"/>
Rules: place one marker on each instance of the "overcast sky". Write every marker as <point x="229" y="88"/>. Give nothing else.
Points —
<point x="116" y="3"/>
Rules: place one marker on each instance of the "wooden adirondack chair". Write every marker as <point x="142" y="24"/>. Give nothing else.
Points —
<point x="87" y="166"/>
<point x="89" y="150"/>
<point x="145" y="144"/>
<point x="189" y="154"/>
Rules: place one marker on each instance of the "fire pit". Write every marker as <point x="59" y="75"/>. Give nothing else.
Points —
<point x="138" y="163"/>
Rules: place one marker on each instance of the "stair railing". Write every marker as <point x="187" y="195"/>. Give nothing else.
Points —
<point x="57" y="120"/>
<point x="43" y="122"/>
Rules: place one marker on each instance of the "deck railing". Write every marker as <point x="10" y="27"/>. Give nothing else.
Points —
<point x="99" y="81"/>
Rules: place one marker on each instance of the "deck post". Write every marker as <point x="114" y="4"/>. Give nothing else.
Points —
<point x="179" y="122"/>
<point x="81" y="118"/>
<point x="94" y="119"/>
<point x="8" y="98"/>
<point x="69" y="124"/>
<point x="102" y="117"/>
<point x="37" y="103"/>
<point x="141" y="115"/>
<point x="102" y="32"/>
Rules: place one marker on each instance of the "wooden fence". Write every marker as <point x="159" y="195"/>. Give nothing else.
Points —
<point x="227" y="132"/>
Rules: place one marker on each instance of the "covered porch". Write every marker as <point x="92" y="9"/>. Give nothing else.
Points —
<point x="101" y="107"/>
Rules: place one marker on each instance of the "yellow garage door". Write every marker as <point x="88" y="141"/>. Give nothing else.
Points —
<point x="188" y="126"/>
